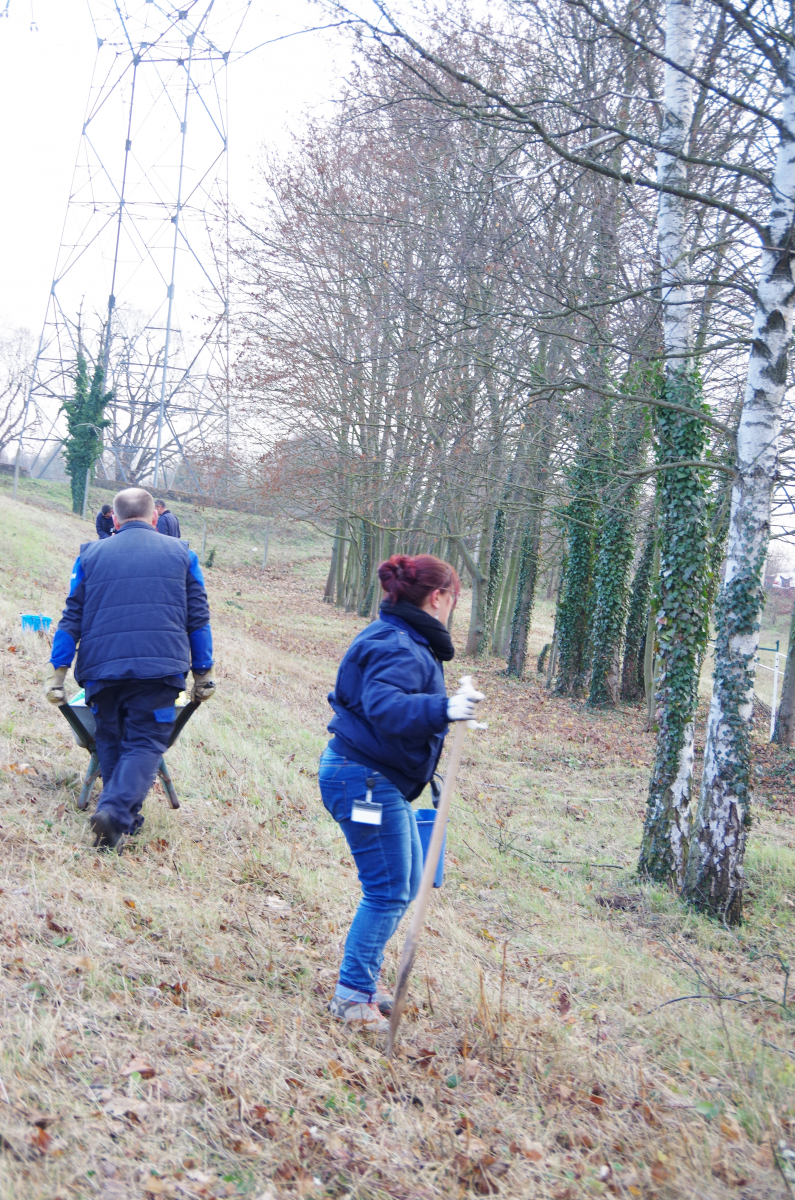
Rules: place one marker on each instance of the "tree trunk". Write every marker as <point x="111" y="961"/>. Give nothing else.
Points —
<point x="342" y="555"/>
<point x="529" y="554"/>
<point x="525" y="595"/>
<point x="331" y="581"/>
<point x="477" y="620"/>
<point x="494" y="586"/>
<point x="611" y="583"/>
<point x="637" y="620"/>
<point x="574" y="608"/>
<point x="502" y="634"/>
<point x="784" y="733"/>
<point x="681" y="589"/>
<point x="715" y="870"/>
<point x="614" y="554"/>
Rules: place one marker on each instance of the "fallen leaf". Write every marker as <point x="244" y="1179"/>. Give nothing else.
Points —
<point x="261" y="1114"/>
<point x="139" y="1066"/>
<point x="335" y="1068"/>
<point x="153" y="1186"/>
<point x="290" y="1172"/>
<point x="40" y="1140"/>
<point x="20" y="768"/>
<point x="199" y="1066"/>
<point x="621" y="903"/>
<point x="123" y="1106"/>
<point x="564" y="1002"/>
<point x="422" y="1057"/>
<point x="55" y="927"/>
<point x="528" y="1149"/>
<point x="659" y="1172"/>
<point x="245" y="1146"/>
<point x="730" y="1128"/>
<point x="130" y="903"/>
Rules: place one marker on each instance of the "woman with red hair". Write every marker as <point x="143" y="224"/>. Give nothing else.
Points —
<point x="390" y="718"/>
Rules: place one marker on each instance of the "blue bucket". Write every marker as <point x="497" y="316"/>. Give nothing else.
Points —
<point x="425" y="820"/>
<point x="34" y="622"/>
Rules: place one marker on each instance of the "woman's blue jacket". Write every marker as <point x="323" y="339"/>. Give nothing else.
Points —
<point x="390" y="704"/>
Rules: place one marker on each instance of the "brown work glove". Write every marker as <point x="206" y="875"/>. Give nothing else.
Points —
<point x="53" y="684"/>
<point x="203" y="687"/>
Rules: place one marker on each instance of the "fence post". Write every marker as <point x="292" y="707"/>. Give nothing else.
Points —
<point x="775" y="689"/>
<point x="265" y="551"/>
<point x="85" y="493"/>
<point x="16" y="469"/>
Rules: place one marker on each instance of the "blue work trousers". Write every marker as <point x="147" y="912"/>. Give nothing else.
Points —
<point x="388" y="858"/>
<point x="134" y="723"/>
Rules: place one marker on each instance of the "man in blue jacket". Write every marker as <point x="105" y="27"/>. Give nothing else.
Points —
<point x="104" y="523"/>
<point x="167" y="523"/>
<point x="138" y="616"/>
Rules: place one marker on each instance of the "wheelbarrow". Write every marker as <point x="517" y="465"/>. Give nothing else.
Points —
<point x="83" y="725"/>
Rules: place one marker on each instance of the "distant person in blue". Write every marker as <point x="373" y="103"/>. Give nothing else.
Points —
<point x="167" y="523"/>
<point x="390" y="719"/>
<point x="104" y="522"/>
<point x="138" y="617"/>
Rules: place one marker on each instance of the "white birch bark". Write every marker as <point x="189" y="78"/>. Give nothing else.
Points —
<point x="664" y="849"/>
<point x="715" y="870"/>
<point x="671" y="172"/>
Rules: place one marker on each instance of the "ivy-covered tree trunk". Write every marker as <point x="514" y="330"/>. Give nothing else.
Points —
<point x="615" y="551"/>
<point x="637" y="619"/>
<point x="681" y="585"/>
<point x="573" y="616"/>
<point x="715" y="870"/>
<point x="84" y="423"/>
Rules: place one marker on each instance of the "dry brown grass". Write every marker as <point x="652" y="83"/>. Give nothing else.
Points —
<point x="164" y="1029"/>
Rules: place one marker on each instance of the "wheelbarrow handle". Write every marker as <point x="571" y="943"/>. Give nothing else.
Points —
<point x="185" y="714"/>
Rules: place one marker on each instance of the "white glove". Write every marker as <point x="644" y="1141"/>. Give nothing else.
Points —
<point x="461" y="706"/>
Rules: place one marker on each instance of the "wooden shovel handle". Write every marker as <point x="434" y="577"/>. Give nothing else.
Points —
<point x="424" y="894"/>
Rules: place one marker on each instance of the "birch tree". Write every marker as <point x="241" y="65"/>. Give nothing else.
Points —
<point x="715" y="872"/>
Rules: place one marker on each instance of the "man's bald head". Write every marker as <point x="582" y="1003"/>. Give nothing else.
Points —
<point x="133" y="504"/>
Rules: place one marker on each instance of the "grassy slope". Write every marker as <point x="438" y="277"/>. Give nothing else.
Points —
<point x="208" y="950"/>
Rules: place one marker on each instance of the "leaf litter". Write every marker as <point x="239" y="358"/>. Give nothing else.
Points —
<point x="202" y="1037"/>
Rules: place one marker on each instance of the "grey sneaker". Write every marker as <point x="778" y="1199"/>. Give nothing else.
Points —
<point x="358" y="1014"/>
<point x="382" y="999"/>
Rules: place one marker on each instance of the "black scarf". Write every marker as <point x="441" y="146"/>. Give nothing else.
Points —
<point x="440" y="641"/>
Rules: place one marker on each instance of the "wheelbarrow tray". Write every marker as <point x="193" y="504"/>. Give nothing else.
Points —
<point x="84" y="733"/>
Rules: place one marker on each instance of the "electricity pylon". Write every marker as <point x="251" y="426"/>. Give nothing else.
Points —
<point x="141" y="280"/>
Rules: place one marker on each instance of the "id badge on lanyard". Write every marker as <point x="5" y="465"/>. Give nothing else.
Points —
<point x="367" y="812"/>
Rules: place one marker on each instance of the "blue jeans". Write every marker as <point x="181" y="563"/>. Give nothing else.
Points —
<point x="134" y="723"/>
<point x="388" y="858"/>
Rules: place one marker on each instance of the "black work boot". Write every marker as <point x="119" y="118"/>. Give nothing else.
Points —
<point x="107" y="836"/>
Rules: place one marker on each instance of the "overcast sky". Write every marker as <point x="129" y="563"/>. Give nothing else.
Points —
<point x="45" y="72"/>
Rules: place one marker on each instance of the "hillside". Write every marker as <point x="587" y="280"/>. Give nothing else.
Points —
<point x="572" y="1032"/>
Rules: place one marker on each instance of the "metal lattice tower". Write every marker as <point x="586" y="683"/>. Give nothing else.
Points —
<point x="142" y="271"/>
